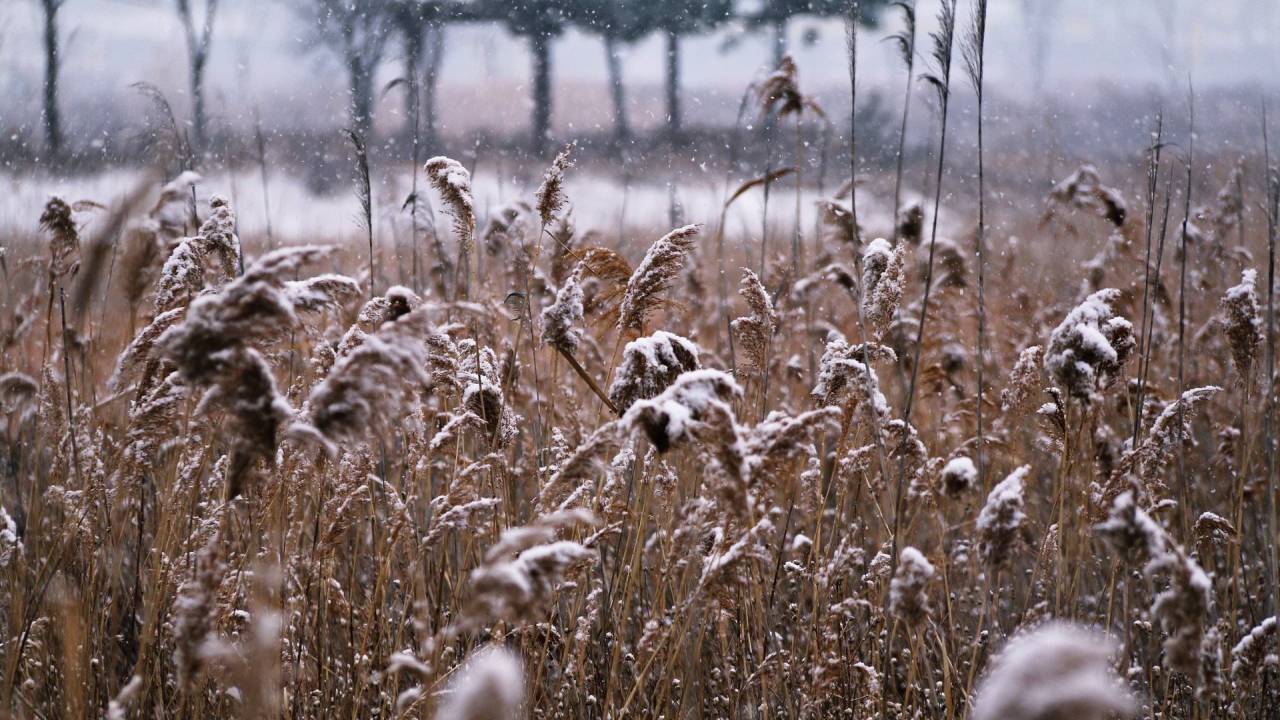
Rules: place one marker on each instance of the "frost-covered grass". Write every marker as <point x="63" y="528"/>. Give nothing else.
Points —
<point x="598" y="483"/>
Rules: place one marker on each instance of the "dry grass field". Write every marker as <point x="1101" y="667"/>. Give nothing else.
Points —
<point x="1016" y="465"/>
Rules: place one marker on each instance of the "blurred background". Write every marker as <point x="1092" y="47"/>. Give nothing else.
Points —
<point x="650" y="90"/>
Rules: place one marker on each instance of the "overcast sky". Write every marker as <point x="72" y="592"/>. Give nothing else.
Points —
<point x="259" y="56"/>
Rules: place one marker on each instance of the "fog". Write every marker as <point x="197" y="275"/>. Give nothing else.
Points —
<point x="263" y="56"/>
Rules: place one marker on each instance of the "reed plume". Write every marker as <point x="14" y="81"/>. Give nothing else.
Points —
<point x="1242" y="322"/>
<point x="560" y="319"/>
<point x="1058" y="670"/>
<point x="550" y="198"/>
<point x="368" y="387"/>
<point x="186" y="271"/>
<point x="364" y="195"/>
<point x="1001" y="523"/>
<point x="908" y="594"/>
<point x="1090" y="346"/>
<point x="489" y="686"/>
<point x="64" y="238"/>
<point x="905" y="42"/>
<point x="453" y="183"/>
<point x="650" y="365"/>
<point x="754" y="332"/>
<point x="654" y="275"/>
<point x="883" y="280"/>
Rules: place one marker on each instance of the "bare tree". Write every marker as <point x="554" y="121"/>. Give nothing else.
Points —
<point x="775" y="15"/>
<point x="1040" y="27"/>
<point x="197" y="56"/>
<point x="677" y="22"/>
<point x="434" y="59"/>
<point x="617" y="23"/>
<point x="52" y="61"/>
<point x="421" y="24"/>
<point x="540" y="21"/>
<point x="357" y="30"/>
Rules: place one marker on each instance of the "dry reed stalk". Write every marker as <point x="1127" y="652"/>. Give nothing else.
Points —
<point x="744" y="560"/>
<point x="364" y="195"/>
<point x="940" y="80"/>
<point x="974" y="54"/>
<point x="905" y="41"/>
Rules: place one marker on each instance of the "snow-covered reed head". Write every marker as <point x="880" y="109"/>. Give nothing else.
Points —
<point x="195" y="609"/>
<point x="64" y="238"/>
<point x="780" y="92"/>
<point x="846" y="379"/>
<point x="453" y="182"/>
<point x="521" y="572"/>
<point x="909" y="226"/>
<point x="578" y="467"/>
<point x="216" y="349"/>
<point x="560" y="320"/>
<point x="781" y="437"/>
<point x="1026" y="383"/>
<point x="1253" y="654"/>
<point x="488" y="686"/>
<point x="1084" y="189"/>
<point x="1000" y="523"/>
<point x="173" y="209"/>
<point x="1182" y="610"/>
<point x="839" y="225"/>
<point x="1059" y="671"/>
<point x="883" y="279"/>
<point x="908" y="591"/>
<point x="368" y="387"/>
<point x="674" y="415"/>
<point x="1171" y="427"/>
<point x="185" y="271"/>
<point x="1131" y="532"/>
<point x="483" y="391"/>
<point x="11" y="546"/>
<point x="959" y="476"/>
<point x="1242" y="321"/>
<point x="17" y="391"/>
<point x="506" y="227"/>
<point x="1090" y="345"/>
<point x="649" y="366"/>
<point x="653" y="276"/>
<point x="255" y="309"/>
<point x="550" y="197"/>
<point x="753" y="332"/>
<point x="219" y="231"/>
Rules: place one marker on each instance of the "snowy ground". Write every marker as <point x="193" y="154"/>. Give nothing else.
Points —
<point x="600" y="203"/>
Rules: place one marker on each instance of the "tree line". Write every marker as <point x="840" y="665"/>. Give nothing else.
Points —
<point x="361" y="33"/>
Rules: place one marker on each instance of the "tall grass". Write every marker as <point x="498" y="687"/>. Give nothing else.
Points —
<point x="289" y="492"/>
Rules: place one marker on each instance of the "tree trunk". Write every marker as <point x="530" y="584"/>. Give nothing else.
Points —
<point x="673" y="84"/>
<point x="198" y="59"/>
<point x="435" y="58"/>
<point x="412" y="60"/>
<point x="540" y="45"/>
<point x="779" y="40"/>
<point x="621" y="128"/>
<point x="52" y="117"/>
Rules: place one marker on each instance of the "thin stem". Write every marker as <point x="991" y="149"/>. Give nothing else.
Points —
<point x="1273" y="206"/>
<point x="1182" y="308"/>
<point x="1144" y="345"/>
<point x="66" y="368"/>
<point x="590" y="381"/>
<point x="979" y="43"/>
